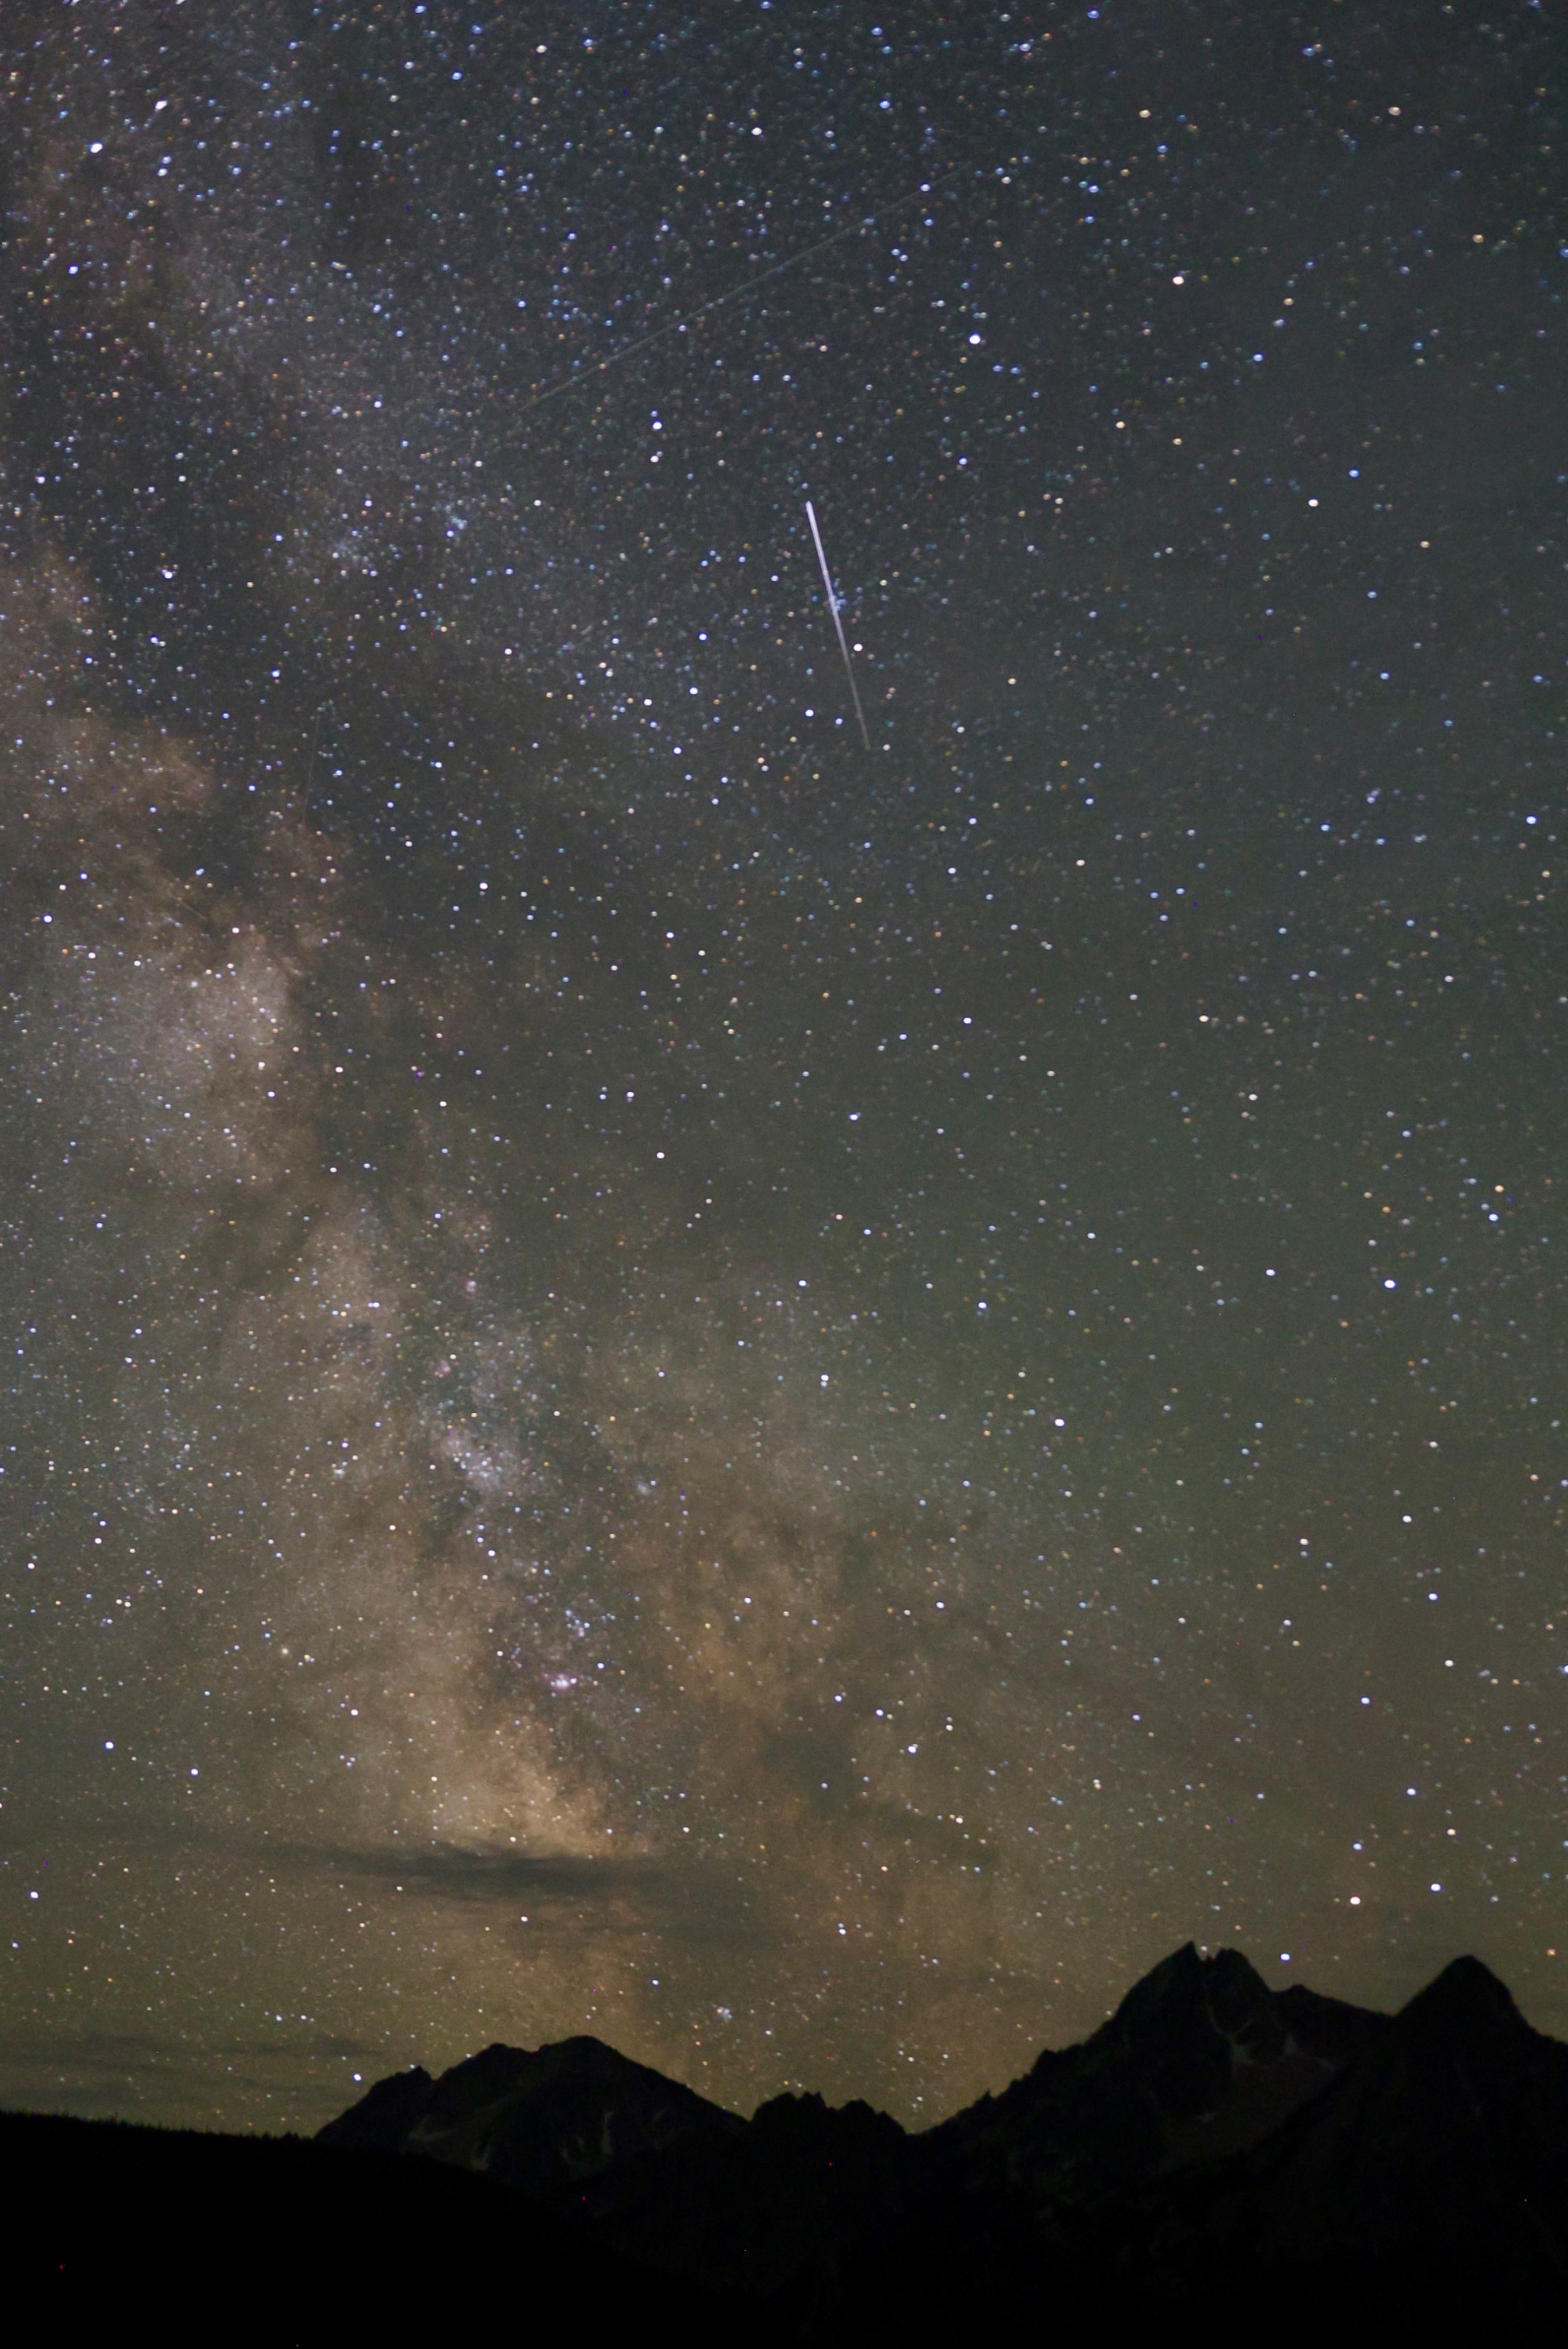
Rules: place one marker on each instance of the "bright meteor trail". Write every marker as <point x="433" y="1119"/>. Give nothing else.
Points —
<point x="837" y="623"/>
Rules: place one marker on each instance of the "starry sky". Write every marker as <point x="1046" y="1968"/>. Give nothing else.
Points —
<point x="665" y="1374"/>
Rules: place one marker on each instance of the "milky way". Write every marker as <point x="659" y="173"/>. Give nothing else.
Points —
<point x="795" y="1403"/>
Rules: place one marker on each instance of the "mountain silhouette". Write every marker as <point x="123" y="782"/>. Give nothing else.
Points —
<point x="1215" y="2152"/>
<point x="1212" y="2141"/>
<point x="540" y="2120"/>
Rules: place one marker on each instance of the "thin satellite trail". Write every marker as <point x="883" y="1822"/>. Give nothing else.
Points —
<point x="743" y="293"/>
<point x="837" y="623"/>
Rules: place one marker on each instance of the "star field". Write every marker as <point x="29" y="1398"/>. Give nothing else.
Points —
<point x="793" y="1404"/>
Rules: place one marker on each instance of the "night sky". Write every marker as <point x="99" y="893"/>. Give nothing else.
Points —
<point x="793" y="1404"/>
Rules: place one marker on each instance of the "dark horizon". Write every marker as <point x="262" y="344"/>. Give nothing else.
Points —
<point x="1462" y="1981"/>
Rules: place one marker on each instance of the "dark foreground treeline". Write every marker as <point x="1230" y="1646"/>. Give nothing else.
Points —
<point x="1264" y="2164"/>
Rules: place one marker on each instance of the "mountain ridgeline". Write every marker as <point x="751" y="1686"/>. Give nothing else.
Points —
<point x="1212" y="2141"/>
<point x="1215" y="2152"/>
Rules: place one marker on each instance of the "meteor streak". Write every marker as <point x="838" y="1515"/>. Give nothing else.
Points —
<point x="837" y="623"/>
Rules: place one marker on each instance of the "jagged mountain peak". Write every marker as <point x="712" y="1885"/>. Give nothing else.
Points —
<point x="1210" y="2125"/>
<point x="1187" y="1989"/>
<point x="582" y="2062"/>
<point x="1200" y="2058"/>
<point x="806" y="2119"/>
<point x="1466" y="1996"/>
<point x="538" y="2116"/>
